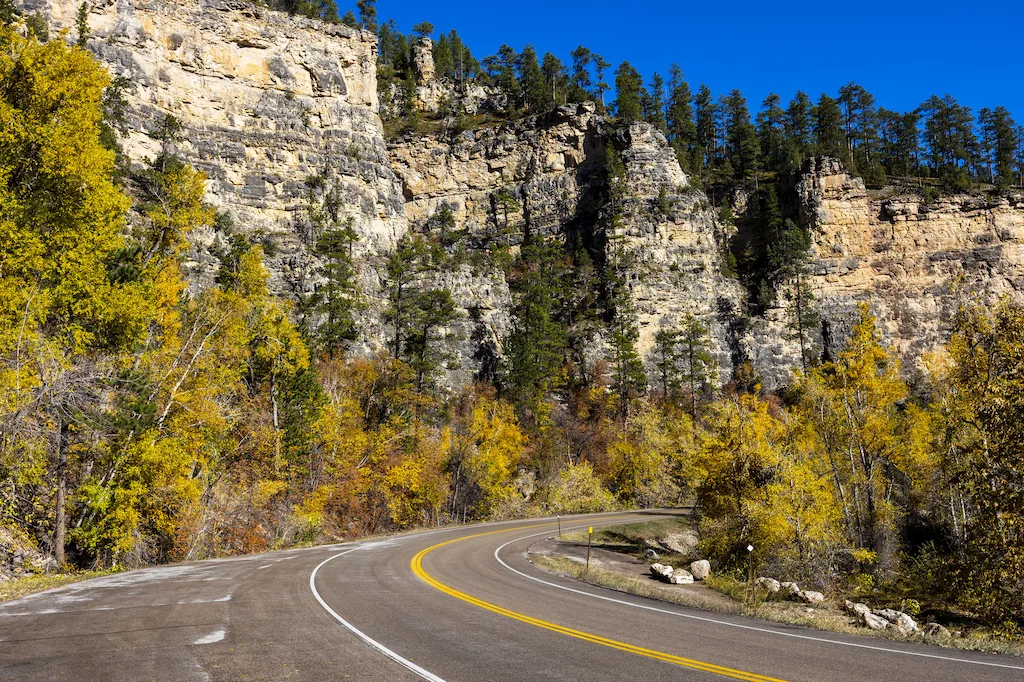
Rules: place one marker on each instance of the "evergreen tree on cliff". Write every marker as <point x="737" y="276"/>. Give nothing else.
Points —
<point x="629" y="94"/>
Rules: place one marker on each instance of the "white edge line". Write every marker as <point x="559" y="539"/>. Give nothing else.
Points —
<point x="404" y="662"/>
<point x="735" y="625"/>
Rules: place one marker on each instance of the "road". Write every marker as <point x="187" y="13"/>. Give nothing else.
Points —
<point x="455" y="604"/>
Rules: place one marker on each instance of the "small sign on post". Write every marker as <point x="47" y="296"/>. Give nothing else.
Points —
<point x="590" y="537"/>
<point x="751" y="590"/>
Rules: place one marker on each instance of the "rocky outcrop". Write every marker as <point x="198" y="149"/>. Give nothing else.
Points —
<point x="913" y="260"/>
<point x="423" y="61"/>
<point x="544" y="175"/>
<point x="265" y="100"/>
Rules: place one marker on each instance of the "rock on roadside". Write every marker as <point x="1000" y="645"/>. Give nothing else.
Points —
<point x="810" y="597"/>
<point x="701" y="570"/>
<point x="770" y="584"/>
<point x="874" y="622"/>
<point x="681" y="577"/>
<point x="662" y="571"/>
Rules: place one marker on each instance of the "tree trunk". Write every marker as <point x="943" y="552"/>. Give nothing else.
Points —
<point x="61" y="522"/>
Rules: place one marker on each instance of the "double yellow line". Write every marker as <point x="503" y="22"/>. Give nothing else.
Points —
<point x="417" y="568"/>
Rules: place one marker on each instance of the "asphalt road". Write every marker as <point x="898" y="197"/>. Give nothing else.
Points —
<point x="458" y="604"/>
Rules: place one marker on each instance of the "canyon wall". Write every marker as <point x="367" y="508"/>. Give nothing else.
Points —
<point x="914" y="261"/>
<point x="267" y="100"/>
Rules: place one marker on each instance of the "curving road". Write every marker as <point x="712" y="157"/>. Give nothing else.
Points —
<point x="455" y="604"/>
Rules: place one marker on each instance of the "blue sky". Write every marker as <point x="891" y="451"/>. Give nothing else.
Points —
<point x="901" y="51"/>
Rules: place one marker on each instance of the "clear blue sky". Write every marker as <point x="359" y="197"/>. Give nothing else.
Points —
<point x="901" y="51"/>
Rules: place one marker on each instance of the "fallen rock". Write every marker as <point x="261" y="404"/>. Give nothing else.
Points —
<point x="651" y="554"/>
<point x="810" y="596"/>
<point x="701" y="570"/>
<point x="936" y="631"/>
<point x="661" y="571"/>
<point x="874" y="622"/>
<point x="770" y="584"/>
<point x="681" y="543"/>
<point x="902" y="621"/>
<point x="680" y="577"/>
<point x="791" y="589"/>
<point x="856" y="608"/>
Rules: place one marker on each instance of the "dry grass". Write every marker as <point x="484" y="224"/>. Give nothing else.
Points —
<point x="829" y="617"/>
<point x="629" y="538"/>
<point x="22" y="587"/>
<point x="624" y="583"/>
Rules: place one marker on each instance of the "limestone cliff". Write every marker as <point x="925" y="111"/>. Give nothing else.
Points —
<point x="552" y="168"/>
<point x="267" y="100"/>
<point x="913" y="260"/>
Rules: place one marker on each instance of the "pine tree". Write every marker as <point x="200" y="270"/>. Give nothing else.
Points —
<point x="899" y="139"/>
<point x="424" y="29"/>
<point x="653" y="103"/>
<point x="501" y="68"/>
<point x="337" y="299"/>
<point x="431" y="310"/>
<point x="581" y="82"/>
<point x="682" y="131"/>
<point x="403" y="269"/>
<point x="535" y="348"/>
<point x="629" y="94"/>
<point x="999" y="145"/>
<point x="829" y="136"/>
<point x="367" y="15"/>
<point x="699" y="367"/>
<point x="556" y="78"/>
<point x="600" y="67"/>
<point x="531" y="81"/>
<point x="800" y="128"/>
<point x="628" y="378"/>
<point x="741" y="137"/>
<point x="802" y="319"/>
<point x="950" y="140"/>
<point x="705" y="119"/>
<point x="666" y="360"/>
<point x="860" y="123"/>
<point x="771" y="132"/>
<point x="82" y="23"/>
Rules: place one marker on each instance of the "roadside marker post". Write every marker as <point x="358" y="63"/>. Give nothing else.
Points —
<point x="751" y="590"/>
<point x="590" y="536"/>
<point x="559" y="527"/>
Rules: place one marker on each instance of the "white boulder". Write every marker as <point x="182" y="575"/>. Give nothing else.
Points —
<point x="681" y="577"/>
<point x="661" y="571"/>
<point x="903" y="622"/>
<point x="770" y="584"/>
<point x="701" y="570"/>
<point x="856" y="608"/>
<point x="810" y="596"/>
<point x="874" y="622"/>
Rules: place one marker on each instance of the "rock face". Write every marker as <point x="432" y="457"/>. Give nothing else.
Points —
<point x="913" y="260"/>
<point x="544" y="175"/>
<point x="423" y="61"/>
<point x="266" y="101"/>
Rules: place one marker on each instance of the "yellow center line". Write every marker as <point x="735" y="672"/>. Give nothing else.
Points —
<point x="417" y="568"/>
